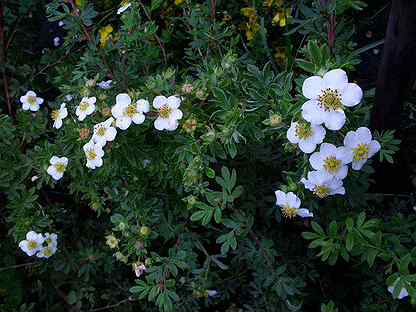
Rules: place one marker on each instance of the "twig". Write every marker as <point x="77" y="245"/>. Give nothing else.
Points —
<point x="16" y="266"/>
<point x="89" y="38"/>
<point x="130" y="299"/>
<point x="159" y="41"/>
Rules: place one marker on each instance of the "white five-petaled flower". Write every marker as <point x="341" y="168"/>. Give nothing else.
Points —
<point x="58" y="166"/>
<point x="105" y="84"/>
<point x="125" y="112"/>
<point x="94" y="153"/>
<point x="327" y="98"/>
<point x="169" y="114"/>
<point x="322" y="184"/>
<point x="51" y="241"/>
<point x="362" y="145"/>
<point x="331" y="159"/>
<point x="30" y="101"/>
<point x="86" y="107"/>
<point x="403" y="291"/>
<point x="306" y="135"/>
<point x="32" y="244"/>
<point x="104" y="132"/>
<point x="123" y="6"/>
<point x="58" y="115"/>
<point x="289" y="204"/>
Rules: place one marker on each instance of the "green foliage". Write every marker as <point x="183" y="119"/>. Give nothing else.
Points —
<point x="186" y="220"/>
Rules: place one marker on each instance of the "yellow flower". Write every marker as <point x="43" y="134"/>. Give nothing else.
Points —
<point x="248" y="12"/>
<point x="281" y="17"/>
<point x="80" y="3"/>
<point x="105" y="35"/>
<point x="179" y="2"/>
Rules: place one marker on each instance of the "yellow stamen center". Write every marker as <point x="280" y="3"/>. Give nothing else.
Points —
<point x="321" y="191"/>
<point x="91" y="154"/>
<point x="131" y="110"/>
<point x="332" y="164"/>
<point x="31" y="99"/>
<point x="83" y="106"/>
<point x="165" y="112"/>
<point x="60" y="167"/>
<point x="361" y="152"/>
<point x="101" y="131"/>
<point x="289" y="212"/>
<point x="303" y="130"/>
<point x="47" y="252"/>
<point x="330" y="100"/>
<point x="32" y="245"/>
<point x="55" y="115"/>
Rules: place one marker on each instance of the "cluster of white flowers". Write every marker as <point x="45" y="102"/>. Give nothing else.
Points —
<point x="327" y="97"/>
<point x="41" y="245"/>
<point x="124" y="112"/>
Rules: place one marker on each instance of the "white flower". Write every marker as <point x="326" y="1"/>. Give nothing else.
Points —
<point x="32" y="244"/>
<point x="58" y="115"/>
<point x="169" y="114"/>
<point x="327" y="98"/>
<point x="86" y="107"/>
<point x="403" y="291"/>
<point x="362" y="145"/>
<point x="124" y="6"/>
<point x="34" y="178"/>
<point x="61" y="23"/>
<point x="139" y="269"/>
<point x="306" y="135"/>
<point x="289" y="204"/>
<point x="332" y="160"/>
<point x="56" y="41"/>
<point x="58" y="166"/>
<point x="105" y="84"/>
<point x="31" y="101"/>
<point x="322" y="184"/>
<point x="49" y="250"/>
<point x="212" y="293"/>
<point x="69" y="97"/>
<point x="94" y="153"/>
<point x="104" y="132"/>
<point x="126" y="112"/>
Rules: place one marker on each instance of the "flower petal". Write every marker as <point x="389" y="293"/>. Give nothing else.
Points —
<point x="159" y="101"/>
<point x="316" y="161"/>
<point x="161" y="123"/>
<point x="305" y="213"/>
<point x="352" y="95"/>
<point x="336" y="79"/>
<point x="293" y="200"/>
<point x="123" y="99"/>
<point x="138" y="118"/>
<point x="364" y="135"/>
<point x="291" y="133"/>
<point x="374" y="147"/>
<point x="312" y="112"/>
<point x="174" y="102"/>
<point x="312" y="87"/>
<point x="143" y="106"/>
<point x="335" y="120"/>
<point x="280" y="198"/>
<point x="307" y="146"/>
<point x="176" y="114"/>
<point x="123" y="122"/>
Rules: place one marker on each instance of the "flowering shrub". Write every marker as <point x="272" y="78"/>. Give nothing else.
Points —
<point x="182" y="165"/>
